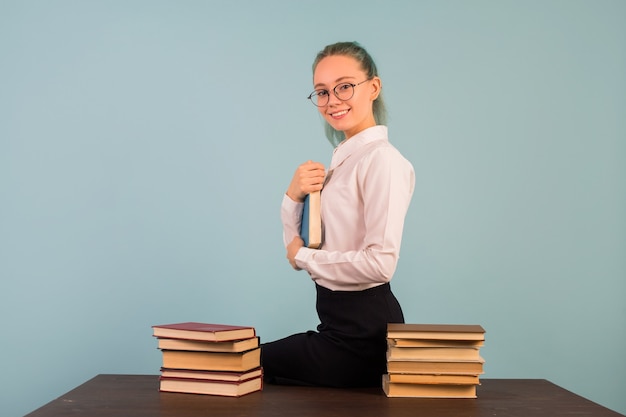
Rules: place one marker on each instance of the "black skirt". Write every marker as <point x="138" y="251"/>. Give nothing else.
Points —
<point x="347" y="350"/>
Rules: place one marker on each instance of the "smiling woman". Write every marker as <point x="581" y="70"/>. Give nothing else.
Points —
<point x="363" y="209"/>
<point x="356" y="60"/>
<point x="142" y="146"/>
<point x="346" y="110"/>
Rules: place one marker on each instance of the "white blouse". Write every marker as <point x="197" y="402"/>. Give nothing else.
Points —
<point x="368" y="189"/>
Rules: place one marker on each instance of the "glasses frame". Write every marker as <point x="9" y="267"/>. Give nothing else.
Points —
<point x="316" y="92"/>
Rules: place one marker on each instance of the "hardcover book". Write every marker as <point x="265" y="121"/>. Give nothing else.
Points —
<point x="393" y="389"/>
<point x="208" y="387"/>
<point x="435" y="331"/>
<point x="432" y="353"/>
<point x="435" y="343"/>
<point x="203" y="331"/>
<point x="435" y="379"/>
<point x="311" y="226"/>
<point x="231" y="376"/>
<point x="436" y="366"/>
<point x="202" y="346"/>
<point x="212" y="361"/>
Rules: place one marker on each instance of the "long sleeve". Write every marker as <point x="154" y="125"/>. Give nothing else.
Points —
<point x="364" y="205"/>
<point x="291" y="217"/>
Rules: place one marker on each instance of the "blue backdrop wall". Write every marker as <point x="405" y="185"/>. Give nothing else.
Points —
<point x="145" y="147"/>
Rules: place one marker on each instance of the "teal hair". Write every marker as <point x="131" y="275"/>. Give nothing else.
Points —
<point x="356" y="51"/>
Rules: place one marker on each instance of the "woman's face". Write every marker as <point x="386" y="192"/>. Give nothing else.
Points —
<point x="355" y="114"/>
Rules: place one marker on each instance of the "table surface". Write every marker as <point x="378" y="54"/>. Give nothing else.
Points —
<point x="139" y="396"/>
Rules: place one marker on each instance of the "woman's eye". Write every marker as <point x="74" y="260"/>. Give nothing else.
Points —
<point x="322" y="93"/>
<point x="343" y="87"/>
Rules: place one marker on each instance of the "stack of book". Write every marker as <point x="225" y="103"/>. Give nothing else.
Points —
<point x="433" y="360"/>
<point x="214" y="359"/>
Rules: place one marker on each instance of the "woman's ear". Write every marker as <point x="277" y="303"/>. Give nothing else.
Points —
<point x="376" y="87"/>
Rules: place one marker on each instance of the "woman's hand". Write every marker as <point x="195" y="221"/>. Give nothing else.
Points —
<point x="308" y="177"/>
<point x="292" y="250"/>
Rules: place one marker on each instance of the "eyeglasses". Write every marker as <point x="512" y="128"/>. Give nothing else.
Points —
<point x="343" y="92"/>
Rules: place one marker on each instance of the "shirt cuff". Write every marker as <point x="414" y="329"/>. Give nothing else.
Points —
<point x="304" y="257"/>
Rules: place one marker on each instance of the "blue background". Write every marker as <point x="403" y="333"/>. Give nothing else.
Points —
<point x="145" y="147"/>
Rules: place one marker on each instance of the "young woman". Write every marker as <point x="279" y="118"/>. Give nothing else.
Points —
<point x="365" y="197"/>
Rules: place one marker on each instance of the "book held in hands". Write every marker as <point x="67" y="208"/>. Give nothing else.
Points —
<point x="212" y="359"/>
<point x="311" y="225"/>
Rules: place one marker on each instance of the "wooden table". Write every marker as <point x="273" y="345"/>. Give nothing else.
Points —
<point x="139" y="396"/>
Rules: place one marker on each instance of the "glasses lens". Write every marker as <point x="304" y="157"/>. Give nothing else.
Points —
<point x="344" y="91"/>
<point x="319" y="97"/>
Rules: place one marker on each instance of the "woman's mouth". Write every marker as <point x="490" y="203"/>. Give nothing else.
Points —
<point x="339" y="114"/>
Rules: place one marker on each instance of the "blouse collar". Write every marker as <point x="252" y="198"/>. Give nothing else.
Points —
<point x="349" y="146"/>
